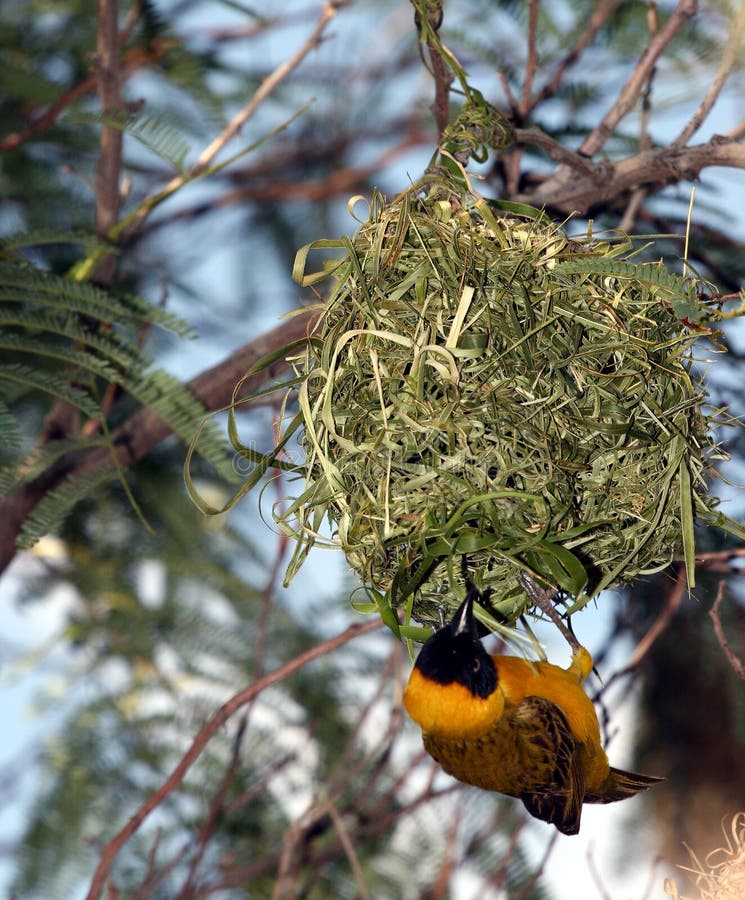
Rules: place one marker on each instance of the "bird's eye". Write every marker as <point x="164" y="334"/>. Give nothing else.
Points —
<point x="476" y="665"/>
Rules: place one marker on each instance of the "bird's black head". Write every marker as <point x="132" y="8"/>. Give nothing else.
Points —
<point x="455" y="653"/>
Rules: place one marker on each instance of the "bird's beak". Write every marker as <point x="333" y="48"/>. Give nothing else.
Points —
<point x="463" y="621"/>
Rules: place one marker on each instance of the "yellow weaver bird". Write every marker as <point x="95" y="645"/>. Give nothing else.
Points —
<point x="522" y="728"/>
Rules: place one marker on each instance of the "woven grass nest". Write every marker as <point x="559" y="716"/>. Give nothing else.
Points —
<point x="482" y="383"/>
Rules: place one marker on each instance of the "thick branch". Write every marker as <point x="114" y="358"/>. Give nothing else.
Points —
<point x="654" y="168"/>
<point x="144" y="428"/>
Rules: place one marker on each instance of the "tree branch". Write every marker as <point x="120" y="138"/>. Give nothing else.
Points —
<point x="133" y="59"/>
<point x="206" y="734"/>
<point x="726" y="64"/>
<point x="233" y="128"/>
<point x="603" y="10"/>
<point x="108" y="197"/>
<point x="737" y="666"/>
<point x="635" y="85"/>
<point x="563" y="179"/>
<point x="654" y="168"/>
<point x="531" y="63"/>
<point x="443" y="76"/>
<point x="557" y="151"/>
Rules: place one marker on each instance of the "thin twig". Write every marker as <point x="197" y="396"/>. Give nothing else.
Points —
<point x="501" y="874"/>
<point x="673" y="600"/>
<point x="215" y="811"/>
<point x="441" y="886"/>
<point x="509" y="95"/>
<point x="556" y="151"/>
<point x="233" y="128"/>
<point x="264" y="183"/>
<point x="265" y="89"/>
<point x="737" y="665"/>
<point x="530" y="883"/>
<point x="348" y="846"/>
<point x="730" y="55"/>
<point x="628" y="218"/>
<point x="600" y="15"/>
<point x="543" y="600"/>
<point x="338" y="782"/>
<point x="206" y="734"/>
<point x="601" y="889"/>
<point x="345" y="769"/>
<point x="154" y="879"/>
<point x="531" y="62"/>
<point x="383" y="824"/>
<point x="672" y="604"/>
<point x="653" y="879"/>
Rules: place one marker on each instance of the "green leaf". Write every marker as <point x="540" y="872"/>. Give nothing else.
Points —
<point x="687" y="523"/>
<point x="560" y="565"/>
<point x="24" y="283"/>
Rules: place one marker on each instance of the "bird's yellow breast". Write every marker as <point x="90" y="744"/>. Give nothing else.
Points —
<point x="450" y="710"/>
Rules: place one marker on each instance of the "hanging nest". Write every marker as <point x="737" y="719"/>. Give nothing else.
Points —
<point x="482" y="383"/>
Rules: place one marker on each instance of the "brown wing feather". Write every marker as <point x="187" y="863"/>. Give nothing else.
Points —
<point x="556" y="758"/>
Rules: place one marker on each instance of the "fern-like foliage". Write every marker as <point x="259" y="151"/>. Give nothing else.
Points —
<point x="41" y="458"/>
<point x="681" y="292"/>
<point x="23" y="283"/>
<point x="51" y="511"/>
<point x="160" y="138"/>
<point x="10" y="437"/>
<point x="17" y="379"/>
<point x="79" y="346"/>
<point x="153" y="132"/>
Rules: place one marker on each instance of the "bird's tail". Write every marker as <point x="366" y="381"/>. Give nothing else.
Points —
<point x="620" y="785"/>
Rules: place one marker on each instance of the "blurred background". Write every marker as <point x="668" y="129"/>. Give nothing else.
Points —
<point x="134" y="616"/>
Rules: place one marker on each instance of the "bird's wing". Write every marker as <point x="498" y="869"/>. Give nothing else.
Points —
<point x="555" y="757"/>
